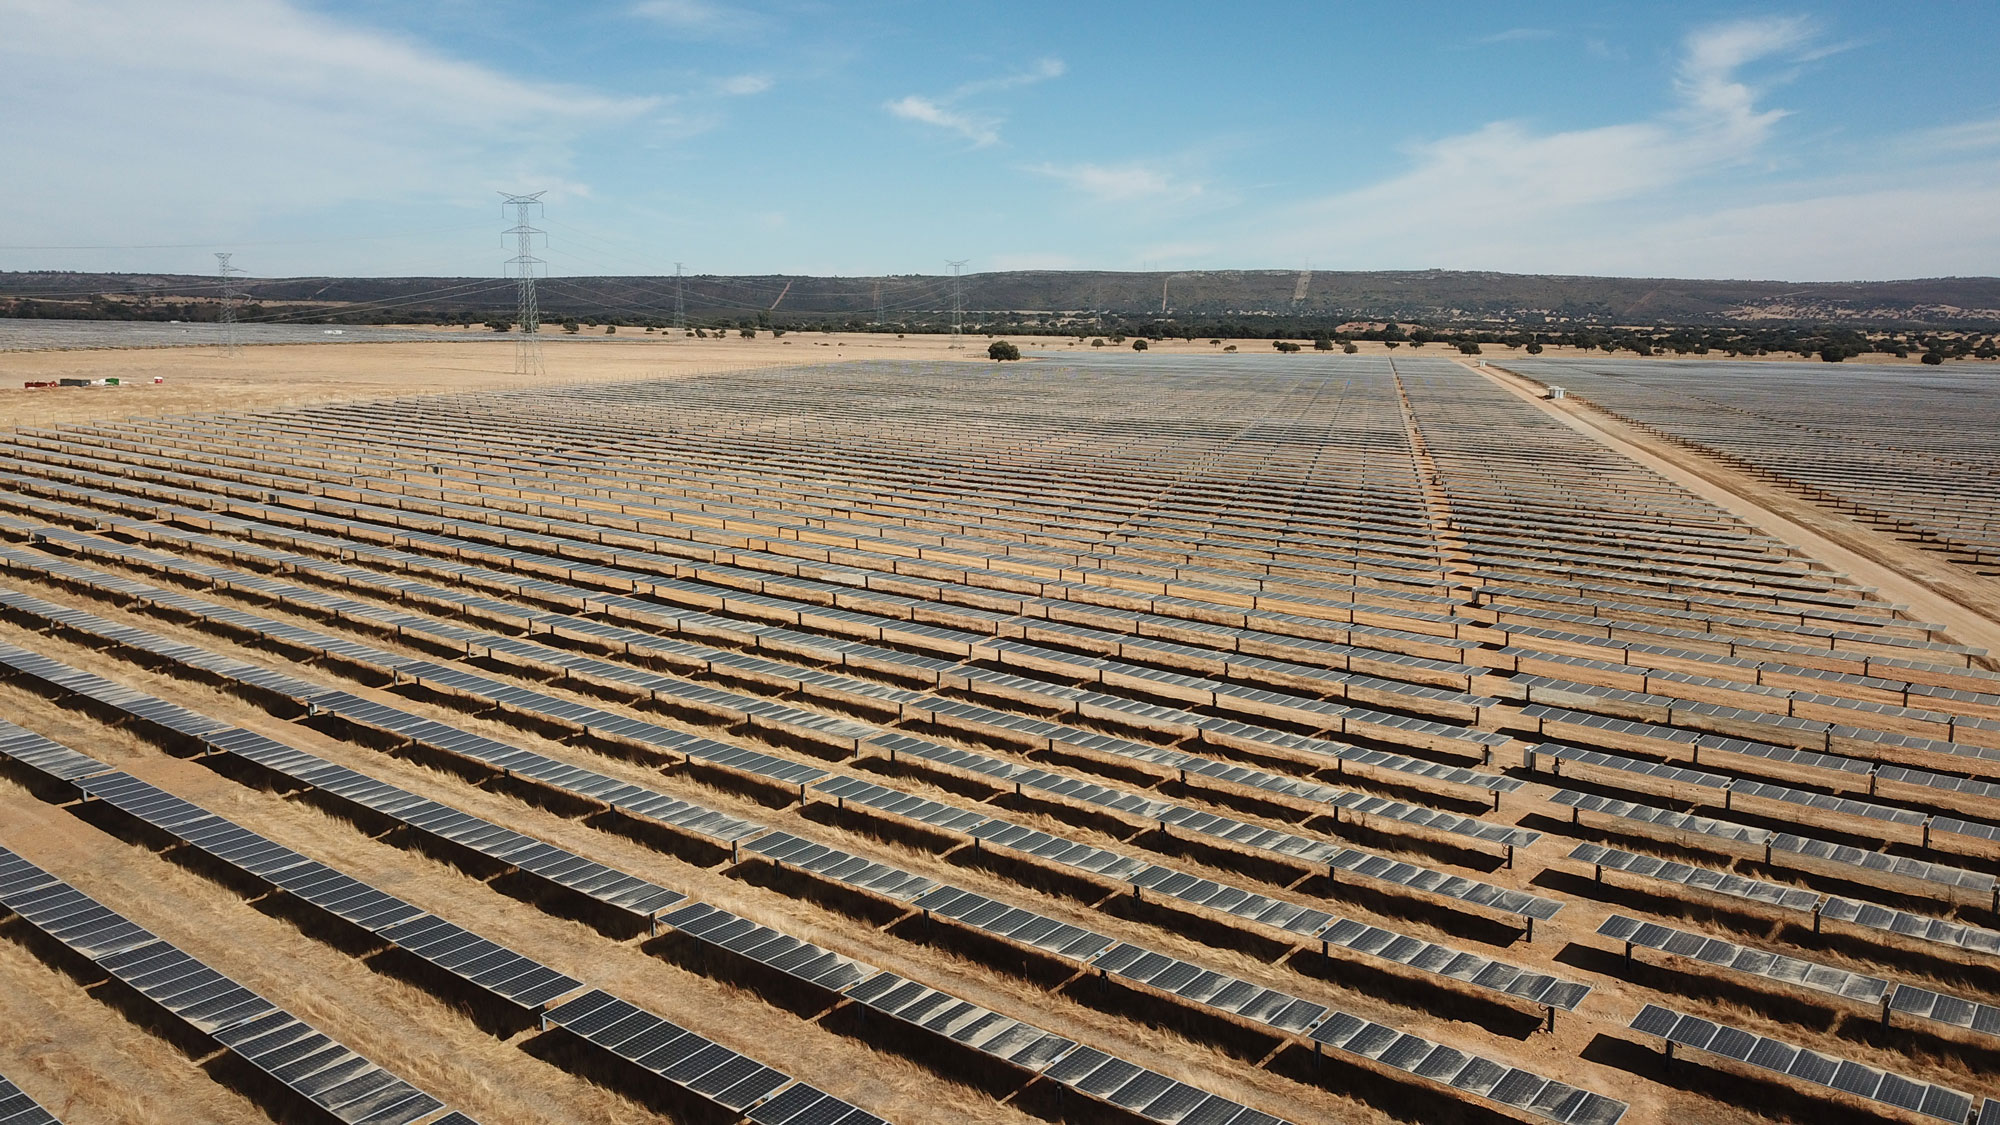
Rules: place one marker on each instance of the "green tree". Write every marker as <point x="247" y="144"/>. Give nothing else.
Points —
<point x="1002" y="350"/>
<point x="1468" y="347"/>
<point x="571" y="326"/>
<point x="1349" y="347"/>
<point x="1139" y="345"/>
<point x="747" y="333"/>
<point x="1285" y="346"/>
<point x="1933" y="357"/>
<point x="500" y="325"/>
<point x="1534" y="348"/>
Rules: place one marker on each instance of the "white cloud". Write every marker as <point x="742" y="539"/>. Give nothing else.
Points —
<point x="1515" y="35"/>
<point x="1503" y="194"/>
<point x="1708" y="83"/>
<point x="701" y="18"/>
<point x="1124" y="183"/>
<point x="235" y="110"/>
<point x="982" y="129"/>
<point x="1968" y="136"/>
<point x="1042" y="71"/>
<point x="744" y="85"/>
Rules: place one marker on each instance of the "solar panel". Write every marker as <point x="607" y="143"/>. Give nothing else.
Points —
<point x="1866" y="1082"/>
<point x="1751" y="962"/>
<point x="1467" y="968"/>
<point x="1479" y="1077"/>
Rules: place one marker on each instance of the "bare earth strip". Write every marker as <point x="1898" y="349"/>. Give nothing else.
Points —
<point x="1935" y="590"/>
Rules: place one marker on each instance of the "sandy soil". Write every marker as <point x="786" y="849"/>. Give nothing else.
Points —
<point x="205" y="379"/>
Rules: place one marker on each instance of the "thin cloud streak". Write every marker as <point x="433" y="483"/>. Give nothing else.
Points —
<point x="982" y="129"/>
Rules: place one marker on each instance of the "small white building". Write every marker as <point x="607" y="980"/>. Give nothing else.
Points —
<point x="1555" y="392"/>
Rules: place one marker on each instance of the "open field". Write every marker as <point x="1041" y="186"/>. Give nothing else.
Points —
<point x="1171" y="737"/>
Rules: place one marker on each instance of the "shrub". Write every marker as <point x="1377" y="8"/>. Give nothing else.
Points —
<point x="1002" y="350"/>
<point x="1138" y="345"/>
<point x="1285" y="346"/>
<point x="747" y="333"/>
<point x="1933" y="358"/>
<point x="1349" y="347"/>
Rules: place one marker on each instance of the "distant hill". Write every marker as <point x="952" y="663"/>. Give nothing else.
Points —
<point x="1438" y="297"/>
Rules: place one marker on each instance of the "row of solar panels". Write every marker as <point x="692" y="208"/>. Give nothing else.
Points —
<point x="150" y="810"/>
<point x="428" y="436"/>
<point x="1936" y="880"/>
<point x="559" y="867"/>
<point x="1195" y="983"/>
<point x="1229" y="731"/>
<point x="1464" y="967"/>
<point x="1144" y="1092"/>
<point x="483" y="964"/>
<point x="1864" y="915"/>
<point x="1883" y="819"/>
<point x="1838" y="770"/>
<point x="648" y="579"/>
<point x="1349" y="860"/>
<point x="1128" y="1085"/>
<point x="289" y="1050"/>
<point x="1071" y="575"/>
<point x="1679" y="1029"/>
<point x="1912" y="1000"/>
<point x="1430" y="819"/>
<point x="795" y="581"/>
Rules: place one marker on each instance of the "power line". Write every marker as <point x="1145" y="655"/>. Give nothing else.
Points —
<point x="528" y="345"/>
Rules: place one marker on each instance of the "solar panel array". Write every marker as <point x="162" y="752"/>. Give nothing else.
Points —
<point x="1237" y="653"/>
<point x="1805" y="1065"/>
<point x="314" y="1066"/>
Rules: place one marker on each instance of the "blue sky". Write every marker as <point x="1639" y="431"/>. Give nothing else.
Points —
<point x="1820" y="141"/>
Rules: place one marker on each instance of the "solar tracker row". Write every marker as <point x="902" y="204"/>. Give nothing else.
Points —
<point x="316" y="1067"/>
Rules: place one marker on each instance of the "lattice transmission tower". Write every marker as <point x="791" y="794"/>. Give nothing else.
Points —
<point x="226" y="317"/>
<point x="522" y="267"/>
<point x="680" y="305"/>
<point x="958" y="303"/>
